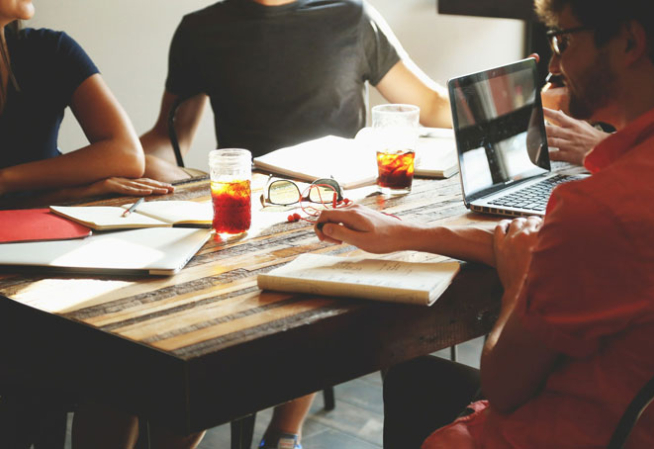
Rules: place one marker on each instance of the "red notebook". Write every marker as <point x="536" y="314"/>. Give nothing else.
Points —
<point x="27" y="225"/>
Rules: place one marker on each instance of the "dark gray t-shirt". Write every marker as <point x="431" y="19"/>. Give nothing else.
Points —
<point x="280" y="75"/>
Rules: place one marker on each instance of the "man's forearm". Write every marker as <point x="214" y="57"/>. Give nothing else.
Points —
<point x="469" y="243"/>
<point x="379" y="233"/>
<point x="439" y="114"/>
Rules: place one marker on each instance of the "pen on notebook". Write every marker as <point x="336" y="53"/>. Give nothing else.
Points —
<point x="133" y="207"/>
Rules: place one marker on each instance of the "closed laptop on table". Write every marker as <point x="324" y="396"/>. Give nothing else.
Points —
<point x="501" y="143"/>
<point x="155" y="251"/>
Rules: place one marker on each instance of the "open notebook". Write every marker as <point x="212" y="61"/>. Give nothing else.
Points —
<point x="149" y="214"/>
<point x="330" y="156"/>
<point x="156" y="251"/>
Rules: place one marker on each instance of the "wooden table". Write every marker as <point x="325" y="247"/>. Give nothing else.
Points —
<point x="206" y="346"/>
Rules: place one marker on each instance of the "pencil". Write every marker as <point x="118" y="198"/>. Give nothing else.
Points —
<point x="133" y="207"/>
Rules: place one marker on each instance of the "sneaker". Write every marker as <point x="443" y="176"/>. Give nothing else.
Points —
<point x="280" y="441"/>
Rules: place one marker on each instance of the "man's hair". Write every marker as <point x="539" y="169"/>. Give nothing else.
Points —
<point x="604" y="16"/>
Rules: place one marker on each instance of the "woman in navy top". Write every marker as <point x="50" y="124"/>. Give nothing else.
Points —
<point x="41" y="73"/>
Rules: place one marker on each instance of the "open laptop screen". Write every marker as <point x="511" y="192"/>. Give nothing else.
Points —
<point x="498" y="123"/>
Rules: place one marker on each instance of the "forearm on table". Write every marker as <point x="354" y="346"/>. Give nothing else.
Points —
<point x="469" y="243"/>
<point x="100" y="160"/>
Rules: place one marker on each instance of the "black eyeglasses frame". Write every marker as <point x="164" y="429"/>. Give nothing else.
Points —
<point x="559" y="46"/>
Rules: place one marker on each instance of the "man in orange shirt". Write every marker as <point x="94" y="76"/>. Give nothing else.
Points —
<point x="574" y="340"/>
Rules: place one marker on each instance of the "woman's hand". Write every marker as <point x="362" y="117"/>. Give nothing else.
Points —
<point x="126" y="186"/>
<point x="109" y="186"/>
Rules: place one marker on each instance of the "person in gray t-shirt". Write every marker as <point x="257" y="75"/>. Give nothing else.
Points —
<point x="277" y="73"/>
<point x="280" y="72"/>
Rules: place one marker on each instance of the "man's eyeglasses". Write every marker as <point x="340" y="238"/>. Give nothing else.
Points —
<point x="559" y="39"/>
<point x="283" y="192"/>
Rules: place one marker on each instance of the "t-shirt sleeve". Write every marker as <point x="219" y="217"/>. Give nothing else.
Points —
<point x="584" y="283"/>
<point x="381" y="47"/>
<point x="182" y="77"/>
<point x="71" y="65"/>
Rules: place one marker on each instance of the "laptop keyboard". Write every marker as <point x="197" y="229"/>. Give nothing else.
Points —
<point x="534" y="197"/>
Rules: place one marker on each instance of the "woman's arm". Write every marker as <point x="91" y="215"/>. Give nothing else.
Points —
<point x="114" y="149"/>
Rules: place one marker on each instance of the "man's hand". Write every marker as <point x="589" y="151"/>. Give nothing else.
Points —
<point x="513" y="243"/>
<point x="573" y="138"/>
<point x="365" y="228"/>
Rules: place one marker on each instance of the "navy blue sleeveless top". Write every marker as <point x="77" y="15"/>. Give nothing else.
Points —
<point x="48" y="66"/>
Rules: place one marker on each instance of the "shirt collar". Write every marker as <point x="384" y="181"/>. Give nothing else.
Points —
<point x="616" y="145"/>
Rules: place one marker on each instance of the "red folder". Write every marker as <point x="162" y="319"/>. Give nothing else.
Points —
<point x="26" y="225"/>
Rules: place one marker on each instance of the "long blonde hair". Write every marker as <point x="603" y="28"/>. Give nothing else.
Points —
<point x="13" y="27"/>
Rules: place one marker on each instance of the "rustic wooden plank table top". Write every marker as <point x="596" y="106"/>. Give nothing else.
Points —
<point x="207" y="346"/>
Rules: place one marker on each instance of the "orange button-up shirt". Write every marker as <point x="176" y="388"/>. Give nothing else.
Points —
<point x="589" y="295"/>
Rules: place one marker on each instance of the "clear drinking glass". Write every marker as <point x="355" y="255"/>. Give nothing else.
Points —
<point x="395" y="130"/>
<point x="231" y="173"/>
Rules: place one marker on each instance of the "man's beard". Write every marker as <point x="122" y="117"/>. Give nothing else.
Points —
<point x="593" y="89"/>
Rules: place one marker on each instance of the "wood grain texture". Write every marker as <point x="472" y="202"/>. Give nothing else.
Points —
<point x="218" y="346"/>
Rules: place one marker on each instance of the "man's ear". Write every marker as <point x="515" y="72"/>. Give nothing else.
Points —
<point x="635" y="41"/>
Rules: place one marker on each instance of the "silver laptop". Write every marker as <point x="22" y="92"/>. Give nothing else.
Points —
<point x="155" y="251"/>
<point x="500" y="136"/>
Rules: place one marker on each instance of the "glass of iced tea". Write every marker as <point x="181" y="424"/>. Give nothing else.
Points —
<point x="231" y="173"/>
<point x="395" y="129"/>
<point x="395" y="171"/>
